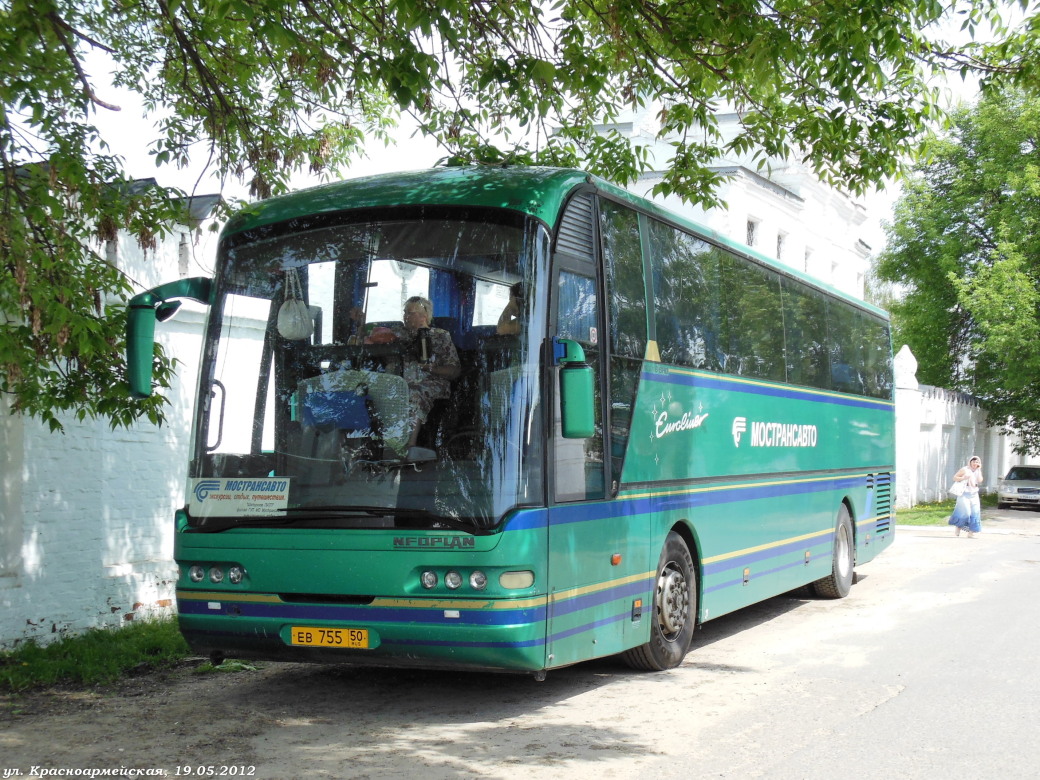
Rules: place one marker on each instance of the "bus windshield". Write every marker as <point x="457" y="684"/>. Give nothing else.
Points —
<point x="373" y="370"/>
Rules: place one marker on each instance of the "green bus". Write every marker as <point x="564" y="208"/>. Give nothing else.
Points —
<point x="639" y="426"/>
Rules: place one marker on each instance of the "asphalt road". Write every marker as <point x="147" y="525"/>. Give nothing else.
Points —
<point x="927" y="670"/>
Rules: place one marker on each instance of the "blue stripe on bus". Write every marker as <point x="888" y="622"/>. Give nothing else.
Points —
<point x="755" y="575"/>
<point x="413" y="642"/>
<point x="695" y="497"/>
<point x="754" y="388"/>
<point x="578" y="603"/>
<point x="607" y="621"/>
<point x="825" y="541"/>
<point x="528" y="519"/>
<point x="728" y="495"/>
<point x="368" y="614"/>
<point x="432" y="615"/>
<point x="537" y="642"/>
<point x="560" y="635"/>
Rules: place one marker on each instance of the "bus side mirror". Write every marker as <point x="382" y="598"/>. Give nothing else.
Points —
<point x="577" y="394"/>
<point x="155" y="304"/>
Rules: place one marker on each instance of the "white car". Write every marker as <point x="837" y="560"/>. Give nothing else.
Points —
<point x="1021" y="487"/>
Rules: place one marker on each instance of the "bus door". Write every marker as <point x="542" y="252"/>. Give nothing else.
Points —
<point x="596" y="557"/>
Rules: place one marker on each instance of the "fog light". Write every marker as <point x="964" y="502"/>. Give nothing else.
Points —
<point x="516" y="580"/>
<point x="196" y="574"/>
<point x="428" y="579"/>
<point x="216" y="574"/>
<point x="235" y="574"/>
<point x="453" y="579"/>
<point x="478" y="580"/>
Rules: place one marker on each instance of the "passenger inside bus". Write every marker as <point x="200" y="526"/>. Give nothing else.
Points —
<point x="509" y="320"/>
<point x="428" y="362"/>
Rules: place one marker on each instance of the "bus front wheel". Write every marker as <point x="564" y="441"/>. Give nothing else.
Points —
<point x="674" y="610"/>
<point x="838" y="584"/>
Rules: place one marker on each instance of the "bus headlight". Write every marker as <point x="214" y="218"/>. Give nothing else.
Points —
<point x="428" y="579"/>
<point x="235" y="574"/>
<point x="478" y="580"/>
<point x="216" y="574"/>
<point x="196" y="574"/>
<point x="453" y="580"/>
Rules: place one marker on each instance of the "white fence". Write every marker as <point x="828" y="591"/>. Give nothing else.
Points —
<point x="937" y="431"/>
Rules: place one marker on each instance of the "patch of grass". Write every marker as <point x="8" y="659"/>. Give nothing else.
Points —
<point x="98" y="656"/>
<point x="936" y="513"/>
<point x="228" y="666"/>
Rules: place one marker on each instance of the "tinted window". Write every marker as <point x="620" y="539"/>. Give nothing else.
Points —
<point x="751" y="333"/>
<point x="686" y="297"/>
<point x="719" y="311"/>
<point x="623" y="262"/>
<point x="805" y="328"/>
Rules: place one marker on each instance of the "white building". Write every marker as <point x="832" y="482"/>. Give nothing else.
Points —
<point x="782" y="210"/>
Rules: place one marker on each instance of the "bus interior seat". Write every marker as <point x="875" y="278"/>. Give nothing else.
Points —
<point x="450" y="324"/>
<point x="471" y="339"/>
<point x="498" y="352"/>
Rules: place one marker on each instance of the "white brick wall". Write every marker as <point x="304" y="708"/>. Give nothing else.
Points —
<point x="86" y="517"/>
<point x="937" y="431"/>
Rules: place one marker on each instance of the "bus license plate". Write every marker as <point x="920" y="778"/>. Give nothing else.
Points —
<point x="356" y="638"/>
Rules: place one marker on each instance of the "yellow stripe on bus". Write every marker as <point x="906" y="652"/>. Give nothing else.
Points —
<point x="767" y="546"/>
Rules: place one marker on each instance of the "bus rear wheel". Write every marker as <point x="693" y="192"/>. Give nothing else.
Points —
<point x="674" y="610"/>
<point x="838" y="584"/>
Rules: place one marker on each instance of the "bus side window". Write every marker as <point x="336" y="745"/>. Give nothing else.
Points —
<point x="579" y="462"/>
<point x="626" y="290"/>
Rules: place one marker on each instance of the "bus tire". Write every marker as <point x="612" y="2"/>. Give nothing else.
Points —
<point x="838" y="584"/>
<point x="674" y="610"/>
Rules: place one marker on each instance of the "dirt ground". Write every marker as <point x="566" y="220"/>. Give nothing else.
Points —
<point x="249" y="722"/>
<point x="294" y="720"/>
<point x="157" y="720"/>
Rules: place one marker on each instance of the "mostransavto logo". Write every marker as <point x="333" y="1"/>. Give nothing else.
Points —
<point x="775" y="434"/>
<point x="739" y="426"/>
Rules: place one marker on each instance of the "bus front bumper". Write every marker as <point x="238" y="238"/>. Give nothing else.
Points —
<point x="499" y="635"/>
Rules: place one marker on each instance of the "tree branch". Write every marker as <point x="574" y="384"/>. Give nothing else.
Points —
<point x="61" y="28"/>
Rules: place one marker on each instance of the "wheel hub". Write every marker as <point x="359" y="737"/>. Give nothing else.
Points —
<point x="673" y="601"/>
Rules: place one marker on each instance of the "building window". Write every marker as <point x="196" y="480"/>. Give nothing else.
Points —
<point x="780" y="241"/>
<point x="752" y="232"/>
<point x="183" y="256"/>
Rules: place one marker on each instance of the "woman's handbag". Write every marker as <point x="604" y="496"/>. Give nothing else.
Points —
<point x="957" y="488"/>
<point x="294" y="317"/>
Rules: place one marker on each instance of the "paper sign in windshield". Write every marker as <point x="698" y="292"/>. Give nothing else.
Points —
<point x="210" y="497"/>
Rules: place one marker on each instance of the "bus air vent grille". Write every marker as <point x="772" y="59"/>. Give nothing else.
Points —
<point x="576" y="229"/>
<point x="883" y="501"/>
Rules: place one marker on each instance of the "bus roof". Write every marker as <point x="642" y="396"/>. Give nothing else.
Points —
<point x="539" y="192"/>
